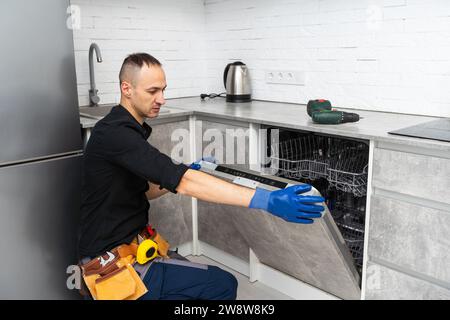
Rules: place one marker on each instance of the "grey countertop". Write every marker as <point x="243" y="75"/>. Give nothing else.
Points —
<point x="89" y="116"/>
<point x="373" y="126"/>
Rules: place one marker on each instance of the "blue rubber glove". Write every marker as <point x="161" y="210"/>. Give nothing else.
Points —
<point x="196" y="165"/>
<point x="288" y="204"/>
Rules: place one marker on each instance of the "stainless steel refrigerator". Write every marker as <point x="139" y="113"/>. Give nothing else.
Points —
<point x="41" y="150"/>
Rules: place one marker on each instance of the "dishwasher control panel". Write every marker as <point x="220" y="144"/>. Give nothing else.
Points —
<point x="253" y="177"/>
<point x="250" y="179"/>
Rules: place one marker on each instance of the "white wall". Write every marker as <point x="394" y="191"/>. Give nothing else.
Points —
<point x="170" y="30"/>
<point x="390" y="55"/>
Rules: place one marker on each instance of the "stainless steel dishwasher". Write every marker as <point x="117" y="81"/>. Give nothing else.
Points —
<point x="329" y="253"/>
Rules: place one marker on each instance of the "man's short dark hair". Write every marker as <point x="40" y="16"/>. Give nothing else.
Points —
<point x="134" y="62"/>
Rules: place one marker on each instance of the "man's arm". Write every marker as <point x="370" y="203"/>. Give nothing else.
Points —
<point x="154" y="192"/>
<point x="205" y="187"/>
<point x="287" y="203"/>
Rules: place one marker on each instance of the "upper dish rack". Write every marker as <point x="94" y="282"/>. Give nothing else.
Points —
<point x="342" y="162"/>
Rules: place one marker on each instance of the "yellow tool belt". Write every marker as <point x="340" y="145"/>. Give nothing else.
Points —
<point x="112" y="276"/>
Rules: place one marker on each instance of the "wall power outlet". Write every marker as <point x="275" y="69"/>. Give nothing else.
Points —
<point x="292" y="77"/>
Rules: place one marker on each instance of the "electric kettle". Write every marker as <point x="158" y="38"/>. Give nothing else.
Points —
<point x="236" y="80"/>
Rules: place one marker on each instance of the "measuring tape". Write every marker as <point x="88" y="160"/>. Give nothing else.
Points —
<point x="147" y="250"/>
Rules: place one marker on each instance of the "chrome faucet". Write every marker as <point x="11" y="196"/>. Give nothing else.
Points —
<point x="94" y="99"/>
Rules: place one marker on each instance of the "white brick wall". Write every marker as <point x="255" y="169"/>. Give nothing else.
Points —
<point x="391" y="55"/>
<point x="170" y="30"/>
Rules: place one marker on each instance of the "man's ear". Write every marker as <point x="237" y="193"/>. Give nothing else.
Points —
<point x="125" y="88"/>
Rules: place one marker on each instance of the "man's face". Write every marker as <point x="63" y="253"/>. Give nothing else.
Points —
<point x="147" y="94"/>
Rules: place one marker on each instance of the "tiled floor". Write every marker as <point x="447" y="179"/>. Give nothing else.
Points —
<point x="246" y="290"/>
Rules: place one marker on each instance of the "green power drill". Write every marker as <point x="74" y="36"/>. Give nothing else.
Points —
<point x="321" y="111"/>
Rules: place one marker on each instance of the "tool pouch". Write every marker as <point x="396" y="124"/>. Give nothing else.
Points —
<point x="117" y="285"/>
<point x="112" y="276"/>
<point x="163" y="245"/>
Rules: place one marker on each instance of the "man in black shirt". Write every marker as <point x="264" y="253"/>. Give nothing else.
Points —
<point x="122" y="171"/>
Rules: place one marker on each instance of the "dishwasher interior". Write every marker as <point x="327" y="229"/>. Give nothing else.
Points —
<point x="336" y="167"/>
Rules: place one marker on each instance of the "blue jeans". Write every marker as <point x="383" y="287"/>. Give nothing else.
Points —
<point x="183" y="280"/>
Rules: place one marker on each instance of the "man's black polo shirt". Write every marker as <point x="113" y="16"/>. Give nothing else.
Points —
<point x="118" y="163"/>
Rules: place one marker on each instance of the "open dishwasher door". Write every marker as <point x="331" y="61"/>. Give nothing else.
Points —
<point x="315" y="254"/>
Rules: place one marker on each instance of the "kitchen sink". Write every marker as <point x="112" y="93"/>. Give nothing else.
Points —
<point x="103" y="109"/>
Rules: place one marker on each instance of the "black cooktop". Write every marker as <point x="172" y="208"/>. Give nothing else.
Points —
<point x="435" y="130"/>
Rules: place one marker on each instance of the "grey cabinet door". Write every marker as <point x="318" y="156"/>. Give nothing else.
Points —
<point x="411" y="236"/>
<point x="384" y="283"/>
<point x="412" y="174"/>
<point x="171" y="213"/>
<point x="215" y="222"/>
<point x="228" y="143"/>
<point x="408" y="244"/>
<point x="408" y="252"/>
<point x="40" y="208"/>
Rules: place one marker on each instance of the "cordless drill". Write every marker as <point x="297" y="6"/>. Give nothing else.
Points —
<point x="321" y="111"/>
